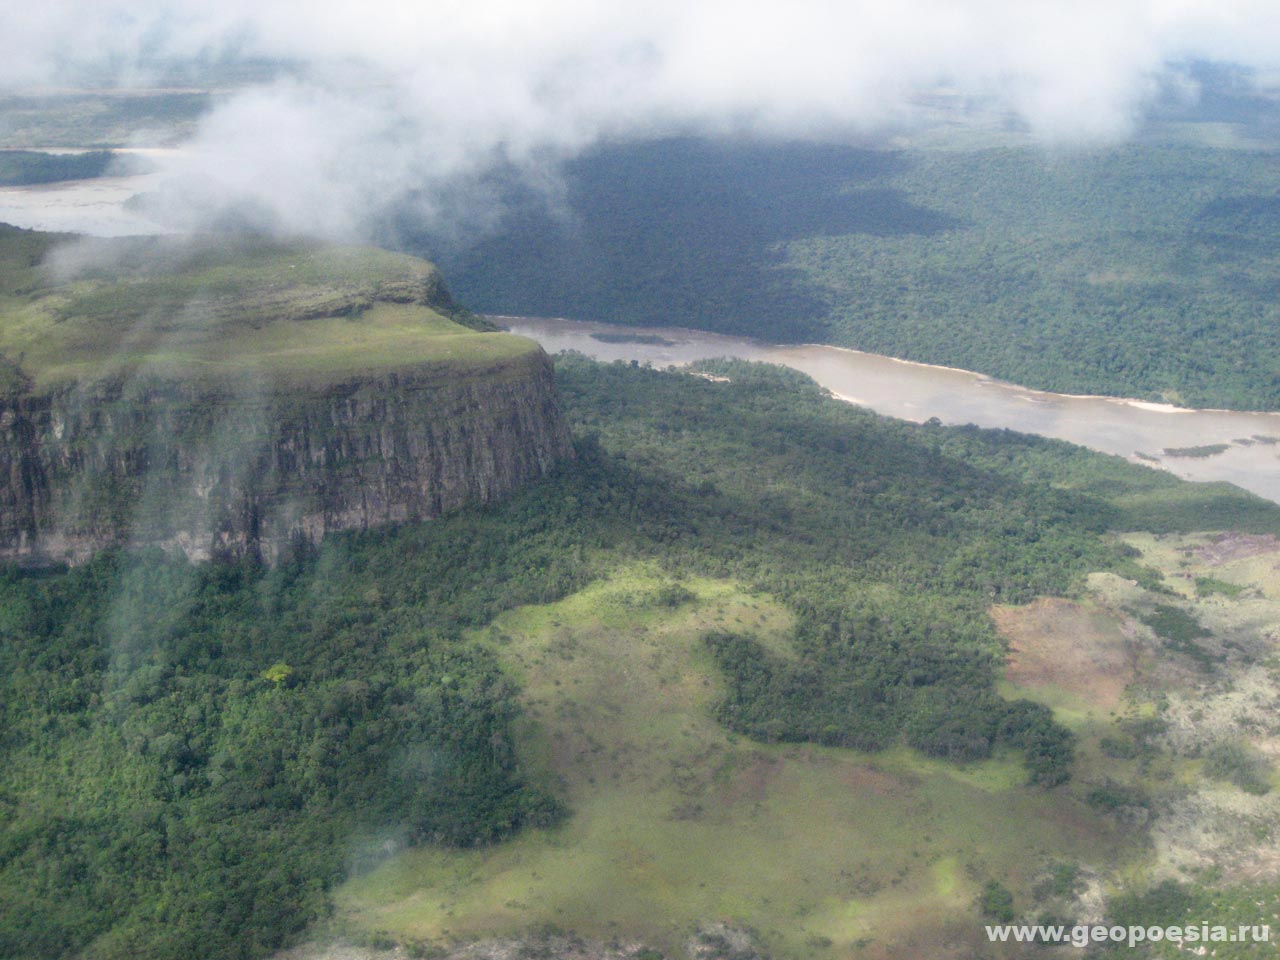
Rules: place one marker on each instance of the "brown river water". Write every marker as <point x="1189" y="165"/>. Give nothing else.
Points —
<point x="896" y="388"/>
<point x="96" y="207"/>
<point x="915" y="391"/>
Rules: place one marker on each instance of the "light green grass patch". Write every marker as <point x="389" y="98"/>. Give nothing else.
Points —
<point x="676" y="821"/>
<point x="297" y="314"/>
<point x="1005" y="771"/>
<point x="384" y="337"/>
<point x="1069" y="708"/>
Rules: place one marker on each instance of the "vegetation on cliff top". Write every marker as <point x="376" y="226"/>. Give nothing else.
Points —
<point x="217" y="309"/>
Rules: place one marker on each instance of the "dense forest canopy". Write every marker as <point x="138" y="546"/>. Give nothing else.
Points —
<point x="1147" y="269"/>
<point x="23" y="167"/>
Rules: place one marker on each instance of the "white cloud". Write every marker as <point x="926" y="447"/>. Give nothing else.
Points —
<point x="404" y="94"/>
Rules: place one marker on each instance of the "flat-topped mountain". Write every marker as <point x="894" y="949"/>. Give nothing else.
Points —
<point x="229" y="396"/>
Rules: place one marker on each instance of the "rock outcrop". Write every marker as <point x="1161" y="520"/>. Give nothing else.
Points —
<point x="234" y="470"/>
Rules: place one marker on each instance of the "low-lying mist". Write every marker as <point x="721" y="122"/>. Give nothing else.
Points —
<point x="397" y="103"/>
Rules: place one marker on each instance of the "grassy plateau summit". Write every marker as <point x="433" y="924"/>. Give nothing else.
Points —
<point x="230" y="396"/>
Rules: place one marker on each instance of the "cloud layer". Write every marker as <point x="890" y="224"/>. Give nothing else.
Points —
<point x="391" y="96"/>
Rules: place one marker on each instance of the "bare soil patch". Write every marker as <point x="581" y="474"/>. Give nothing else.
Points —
<point x="1065" y="644"/>
<point x="1226" y="547"/>
<point x="870" y="780"/>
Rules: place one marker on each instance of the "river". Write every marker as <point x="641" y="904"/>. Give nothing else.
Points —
<point x="1139" y="431"/>
<point x="98" y="207"/>
<point x="1142" y="432"/>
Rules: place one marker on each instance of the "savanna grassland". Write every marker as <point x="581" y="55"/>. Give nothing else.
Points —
<point x="1164" y="672"/>
<point x="744" y="640"/>
<point x="1172" y="687"/>
<point x="677" y="823"/>
<point x="834" y="851"/>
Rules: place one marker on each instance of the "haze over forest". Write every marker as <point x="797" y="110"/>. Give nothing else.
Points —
<point x="328" y="113"/>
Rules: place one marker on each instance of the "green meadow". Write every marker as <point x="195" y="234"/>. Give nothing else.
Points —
<point x="209" y="311"/>
<point x="676" y="821"/>
<point x="382" y="338"/>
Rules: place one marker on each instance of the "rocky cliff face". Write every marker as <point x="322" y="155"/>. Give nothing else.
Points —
<point x="223" y="471"/>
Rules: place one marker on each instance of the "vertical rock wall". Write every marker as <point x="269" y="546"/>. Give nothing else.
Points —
<point x="236" y="472"/>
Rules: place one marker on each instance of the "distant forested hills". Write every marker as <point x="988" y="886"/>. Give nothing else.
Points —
<point x="1150" y="269"/>
<point x="23" y="167"/>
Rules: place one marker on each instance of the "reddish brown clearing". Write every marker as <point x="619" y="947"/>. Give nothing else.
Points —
<point x="1064" y="644"/>
<point x="1226" y="547"/>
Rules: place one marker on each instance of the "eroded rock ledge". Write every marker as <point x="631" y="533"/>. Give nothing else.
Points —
<point x="240" y="470"/>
